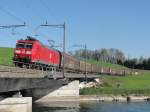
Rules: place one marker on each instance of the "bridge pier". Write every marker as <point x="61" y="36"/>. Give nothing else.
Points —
<point x="65" y="93"/>
<point x="23" y="104"/>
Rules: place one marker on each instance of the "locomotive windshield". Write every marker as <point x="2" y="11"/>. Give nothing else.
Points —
<point x="28" y="46"/>
<point x="20" y="45"/>
<point x="24" y="45"/>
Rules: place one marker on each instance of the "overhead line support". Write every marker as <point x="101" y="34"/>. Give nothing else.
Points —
<point x="11" y="26"/>
<point x="64" y="40"/>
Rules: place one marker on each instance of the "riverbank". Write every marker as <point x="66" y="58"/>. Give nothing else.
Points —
<point x="112" y="98"/>
<point x="138" y="85"/>
<point x="93" y="98"/>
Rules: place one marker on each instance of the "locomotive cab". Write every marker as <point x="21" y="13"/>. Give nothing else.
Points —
<point x="23" y="52"/>
<point x="32" y="52"/>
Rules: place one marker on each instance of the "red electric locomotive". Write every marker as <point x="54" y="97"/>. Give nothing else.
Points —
<point x="32" y="51"/>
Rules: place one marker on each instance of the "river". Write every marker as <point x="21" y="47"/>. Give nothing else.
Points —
<point x="98" y="107"/>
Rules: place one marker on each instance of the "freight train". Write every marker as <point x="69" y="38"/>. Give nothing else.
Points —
<point x="32" y="52"/>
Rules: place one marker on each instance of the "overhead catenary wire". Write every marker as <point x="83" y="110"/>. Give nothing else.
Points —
<point x="10" y="14"/>
<point x="18" y="19"/>
<point x="49" y="12"/>
<point x="34" y="31"/>
<point x="48" y="9"/>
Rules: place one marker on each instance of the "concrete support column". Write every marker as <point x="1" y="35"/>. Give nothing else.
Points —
<point x="66" y="91"/>
<point x="23" y="104"/>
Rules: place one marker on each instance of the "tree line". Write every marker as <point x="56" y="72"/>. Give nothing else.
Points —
<point x="114" y="56"/>
<point x="138" y="63"/>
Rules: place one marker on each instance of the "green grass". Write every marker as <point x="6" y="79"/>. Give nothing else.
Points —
<point x="137" y="84"/>
<point x="6" y="55"/>
<point x="107" y="65"/>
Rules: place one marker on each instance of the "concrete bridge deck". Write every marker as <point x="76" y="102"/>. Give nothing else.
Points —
<point x="16" y="79"/>
<point x="15" y="72"/>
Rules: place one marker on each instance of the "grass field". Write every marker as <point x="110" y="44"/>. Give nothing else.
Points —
<point x="107" y="65"/>
<point x="135" y="84"/>
<point x="6" y="55"/>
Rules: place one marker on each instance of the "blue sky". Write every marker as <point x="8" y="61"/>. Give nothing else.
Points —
<point x="121" y="24"/>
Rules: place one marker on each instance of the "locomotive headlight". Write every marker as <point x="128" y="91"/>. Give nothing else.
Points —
<point x="28" y="52"/>
<point x="17" y="51"/>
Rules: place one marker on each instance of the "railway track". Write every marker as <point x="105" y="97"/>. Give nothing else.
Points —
<point x="10" y="72"/>
<point x="19" y="70"/>
<point x="16" y="72"/>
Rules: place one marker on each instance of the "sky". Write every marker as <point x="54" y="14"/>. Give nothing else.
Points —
<point x="121" y="24"/>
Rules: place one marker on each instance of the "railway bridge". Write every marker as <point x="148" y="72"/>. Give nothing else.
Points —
<point x="36" y="83"/>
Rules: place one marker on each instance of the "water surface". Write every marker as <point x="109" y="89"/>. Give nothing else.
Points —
<point x="98" y="107"/>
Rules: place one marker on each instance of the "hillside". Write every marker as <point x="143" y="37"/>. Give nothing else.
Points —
<point x="107" y="65"/>
<point x="6" y="55"/>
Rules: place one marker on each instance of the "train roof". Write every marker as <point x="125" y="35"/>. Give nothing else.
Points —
<point x="49" y="47"/>
<point x="32" y="40"/>
<point x="28" y="39"/>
